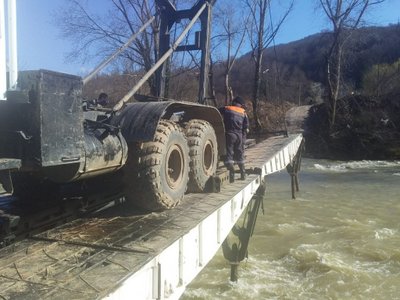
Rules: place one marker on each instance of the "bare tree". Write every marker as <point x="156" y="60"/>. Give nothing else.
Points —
<point x="344" y="16"/>
<point x="262" y="32"/>
<point x="98" y="36"/>
<point x="231" y="35"/>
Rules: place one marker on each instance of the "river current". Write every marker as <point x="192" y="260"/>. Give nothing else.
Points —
<point x="340" y="239"/>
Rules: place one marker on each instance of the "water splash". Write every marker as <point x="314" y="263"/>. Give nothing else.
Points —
<point x="384" y="233"/>
<point x="341" y="167"/>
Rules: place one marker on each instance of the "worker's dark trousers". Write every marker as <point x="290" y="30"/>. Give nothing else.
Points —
<point x="235" y="150"/>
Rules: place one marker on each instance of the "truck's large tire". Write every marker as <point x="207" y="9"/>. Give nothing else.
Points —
<point x="156" y="174"/>
<point x="203" y="152"/>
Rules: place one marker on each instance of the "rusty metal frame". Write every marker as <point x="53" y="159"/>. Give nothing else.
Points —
<point x="169" y="17"/>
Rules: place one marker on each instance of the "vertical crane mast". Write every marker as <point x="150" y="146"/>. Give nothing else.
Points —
<point x="10" y="40"/>
<point x="170" y="16"/>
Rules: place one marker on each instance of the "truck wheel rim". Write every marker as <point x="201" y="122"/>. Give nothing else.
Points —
<point x="175" y="165"/>
<point x="208" y="157"/>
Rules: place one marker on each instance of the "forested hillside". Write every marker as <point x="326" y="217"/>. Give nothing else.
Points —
<point x="294" y="72"/>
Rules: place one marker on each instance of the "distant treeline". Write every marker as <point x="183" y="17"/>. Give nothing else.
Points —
<point x="294" y="72"/>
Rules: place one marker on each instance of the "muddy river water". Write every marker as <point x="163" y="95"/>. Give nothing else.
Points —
<point x="340" y="239"/>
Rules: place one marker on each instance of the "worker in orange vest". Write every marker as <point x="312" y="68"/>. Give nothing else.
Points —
<point x="236" y="127"/>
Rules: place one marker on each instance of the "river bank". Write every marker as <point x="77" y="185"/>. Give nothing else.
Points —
<point x="365" y="128"/>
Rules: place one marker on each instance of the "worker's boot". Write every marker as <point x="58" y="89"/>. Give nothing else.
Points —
<point x="231" y="174"/>
<point x="243" y="174"/>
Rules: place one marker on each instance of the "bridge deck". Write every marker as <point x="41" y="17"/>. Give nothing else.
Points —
<point x="119" y="253"/>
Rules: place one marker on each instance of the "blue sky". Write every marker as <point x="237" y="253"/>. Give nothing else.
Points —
<point x="41" y="46"/>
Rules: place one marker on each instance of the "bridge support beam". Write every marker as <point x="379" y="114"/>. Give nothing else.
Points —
<point x="293" y="168"/>
<point x="236" y="244"/>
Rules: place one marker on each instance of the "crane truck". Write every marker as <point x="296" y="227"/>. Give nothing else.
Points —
<point x="156" y="150"/>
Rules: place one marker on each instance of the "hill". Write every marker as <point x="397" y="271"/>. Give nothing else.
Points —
<point x="294" y="72"/>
